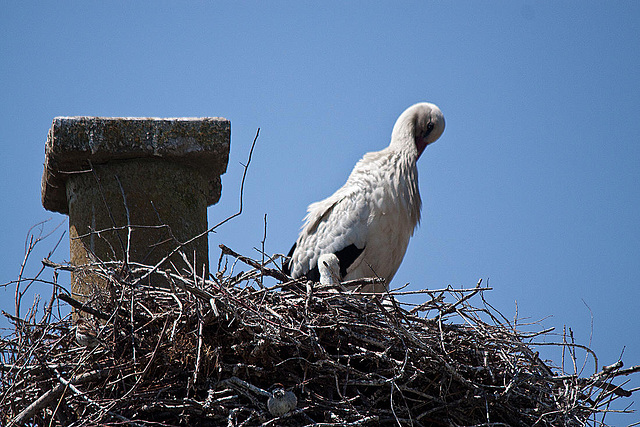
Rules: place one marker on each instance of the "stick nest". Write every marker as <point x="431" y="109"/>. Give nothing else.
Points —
<point x="208" y="352"/>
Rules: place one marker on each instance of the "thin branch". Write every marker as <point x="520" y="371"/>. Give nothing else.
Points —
<point x="268" y="271"/>
<point x="52" y="395"/>
<point x="106" y="205"/>
<point x="83" y="307"/>
<point x="204" y="233"/>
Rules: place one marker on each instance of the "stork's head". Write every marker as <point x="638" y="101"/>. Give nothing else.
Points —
<point x="329" y="269"/>
<point x="418" y="126"/>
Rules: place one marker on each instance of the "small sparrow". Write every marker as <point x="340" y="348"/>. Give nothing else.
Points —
<point x="87" y="333"/>
<point x="281" y="401"/>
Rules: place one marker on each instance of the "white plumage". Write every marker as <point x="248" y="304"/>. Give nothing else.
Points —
<point x="367" y="223"/>
<point x="329" y="269"/>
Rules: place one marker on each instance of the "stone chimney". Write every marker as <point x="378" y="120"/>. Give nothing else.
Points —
<point x="134" y="190"/>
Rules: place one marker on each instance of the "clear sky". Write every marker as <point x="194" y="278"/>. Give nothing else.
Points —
<point x="534" y="186"/>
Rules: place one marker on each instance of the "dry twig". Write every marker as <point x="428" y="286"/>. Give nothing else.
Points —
<point x="208" y="351"/>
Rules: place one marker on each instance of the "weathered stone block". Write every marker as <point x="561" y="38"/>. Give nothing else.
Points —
<point x="134" y="188"/>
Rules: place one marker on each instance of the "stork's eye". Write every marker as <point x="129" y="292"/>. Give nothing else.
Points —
<point x="428" y="130"/>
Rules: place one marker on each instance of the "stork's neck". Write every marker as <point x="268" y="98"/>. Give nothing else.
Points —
<point x="403" y="137"/>
<point x="405" y="183"/>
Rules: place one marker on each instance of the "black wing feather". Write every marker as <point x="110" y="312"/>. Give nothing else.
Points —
<point x="346" y="257"/>
<point x="286" y="267"/>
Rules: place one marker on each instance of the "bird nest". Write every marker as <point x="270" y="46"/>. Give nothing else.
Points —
<point x="213" y="352"/>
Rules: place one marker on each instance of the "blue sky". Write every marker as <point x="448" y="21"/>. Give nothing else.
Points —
<point x="533" y="187"/>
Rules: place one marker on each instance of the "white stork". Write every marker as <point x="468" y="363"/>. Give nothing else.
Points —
<point x="329" y="269"/>
<point x="367" y="223"/>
